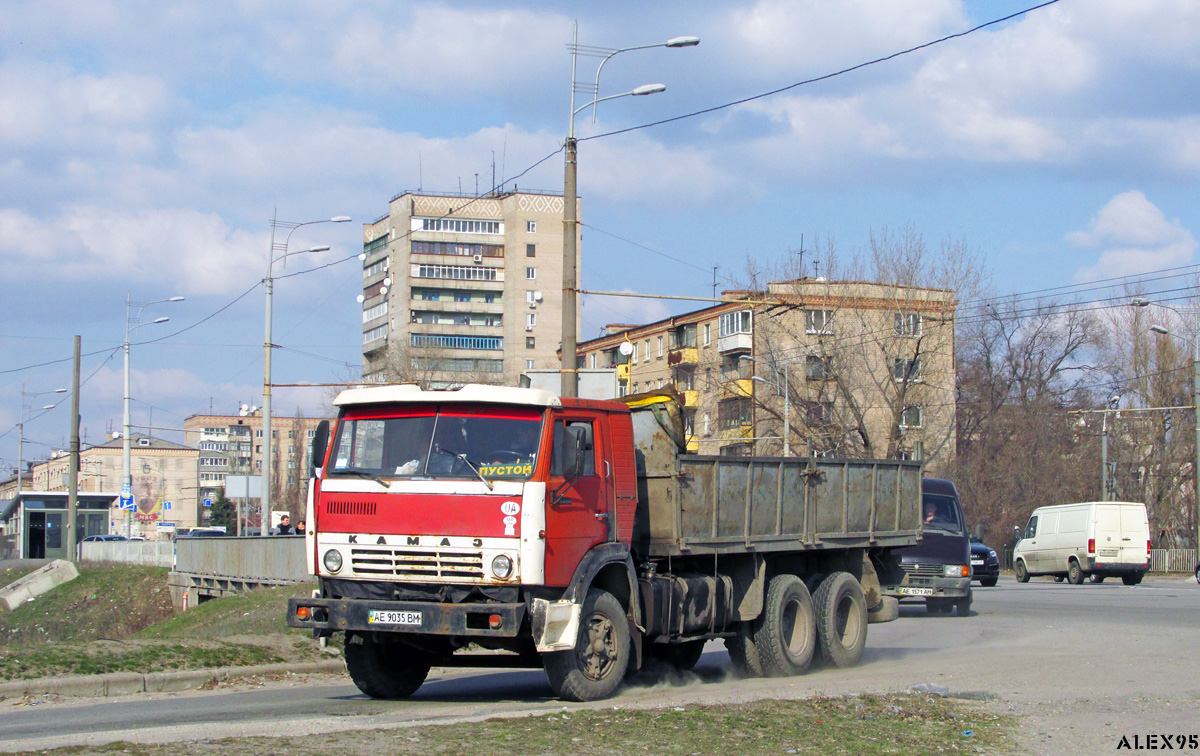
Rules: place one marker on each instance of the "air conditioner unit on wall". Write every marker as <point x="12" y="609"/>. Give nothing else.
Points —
<point x="478" y="259"/>
<point x="528" y="327"/>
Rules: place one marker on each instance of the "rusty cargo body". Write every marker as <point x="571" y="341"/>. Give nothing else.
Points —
<point x="691" y="505"/>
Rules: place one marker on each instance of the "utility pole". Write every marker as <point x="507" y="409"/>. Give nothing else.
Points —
<point x="73" y="479"/>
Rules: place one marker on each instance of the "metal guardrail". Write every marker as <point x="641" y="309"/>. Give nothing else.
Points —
<point x="1161" y="560"/>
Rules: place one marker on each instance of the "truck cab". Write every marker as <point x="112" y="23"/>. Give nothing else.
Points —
<point x="938" y="569"/>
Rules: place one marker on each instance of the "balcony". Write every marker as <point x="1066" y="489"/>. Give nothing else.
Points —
<point x="623" y="372"/>
<point x="737" y="388"/>
<point x="735" y="342"/>
<point x="690" y="398"/>
<point x="693" y="444"/>
<point x="736" y="434"/>
<point x="683" y="356"/>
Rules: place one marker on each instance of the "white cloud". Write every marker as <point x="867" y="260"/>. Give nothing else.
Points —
<point x="1133" y="236"/>
<point x="195" y="251"/>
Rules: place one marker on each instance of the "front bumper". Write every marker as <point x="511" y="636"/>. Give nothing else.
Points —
<point x="985" y="570"/>
<point x="930" y="587"/>
<point x="418" y="617"/>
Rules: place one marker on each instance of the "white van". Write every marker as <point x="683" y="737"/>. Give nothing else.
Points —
<point x="1094" y="539"/>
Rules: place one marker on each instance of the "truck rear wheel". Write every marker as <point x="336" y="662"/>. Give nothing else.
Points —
<point x="595" y="667"/>
<point x="384" y="669"/>
<point x="743" y="651"/>
<point x="787" y="636"/>
<point x="1075" y="573"/>
<point x="841" y="613"/>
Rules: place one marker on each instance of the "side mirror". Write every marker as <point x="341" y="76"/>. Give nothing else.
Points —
<point x="320" y="444"/>
<point x="574" y="444"/>
<point x="1017" y="532"/>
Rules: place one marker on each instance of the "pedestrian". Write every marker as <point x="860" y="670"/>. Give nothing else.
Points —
<point x="300" y="526"/>
<point x="285" y="525"/>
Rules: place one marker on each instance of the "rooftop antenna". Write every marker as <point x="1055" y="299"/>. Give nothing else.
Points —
<point x="493" y="172"/>
<point x="714" y="295"/>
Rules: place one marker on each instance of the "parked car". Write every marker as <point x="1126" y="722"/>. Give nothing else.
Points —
<point x="985" y="565"/>
<point x="93" y="538"/>
<point x="1093" y="539"/>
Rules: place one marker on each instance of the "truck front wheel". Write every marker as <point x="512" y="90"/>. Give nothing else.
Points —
<point x="384" y="669"/>
<point x="841" y="619"/>
<point x="788" y="634"/>
<point x="595" y="667"/>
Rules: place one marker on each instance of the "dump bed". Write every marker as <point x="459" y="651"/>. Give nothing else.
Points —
<point x="692" y="505"/>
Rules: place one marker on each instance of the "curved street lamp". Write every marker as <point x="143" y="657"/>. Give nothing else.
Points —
<point x="1162" y="331"/>
<point x="24" y="415"/>
<point x="279" y="251"/>
<point x="126" y="467"/>
<point x="570" y="376"/>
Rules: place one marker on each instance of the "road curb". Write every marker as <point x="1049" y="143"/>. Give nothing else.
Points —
<point x="127" y="683"/>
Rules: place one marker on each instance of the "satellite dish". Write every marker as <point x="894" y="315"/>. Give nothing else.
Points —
<point x="537" y="295"/>
<point x="383" y="290"/>
<point x="626" y="348"/>
<point x="116" y="434"/>
<point x="387" y="282"/>
<point x="360" y="298"/>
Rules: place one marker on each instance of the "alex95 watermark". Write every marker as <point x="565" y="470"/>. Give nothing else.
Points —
<point x="1158" y="742"/>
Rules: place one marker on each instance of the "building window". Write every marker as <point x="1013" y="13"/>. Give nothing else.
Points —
<point x="733" y="323"/>
<point x="530" y="342"/>
<point x="376" y="333"/>
<point x="911" y="417"/>
<point x="820" y="414"/>
<point x="531" y="274"/>
<point x="531" y="228"/>
<point x="530" y="319"/>
<point x="660" y="347"/>
<point x="454" y="248"/>
<point x="818" y="368"/>
<point x="531" y="250"/>
<point x="258" y="433"/>
<point x="455" y="342"/>
<point x="455" y="272"/>
<point x="457" y="225"/>
<point x="818" y="321"/>
<point x="375" y="267"/>
<point x="378" y="311"/>
<point x="647" y="357"/>
<point x="737" y="450"/>
<point x="734" y="413"/>
<point x="909" y="370"/>
<point x="529" y="364"/>
<point x="633" y="352"/>
<point x="593" y="360"/>
<point x="908" y="324"/>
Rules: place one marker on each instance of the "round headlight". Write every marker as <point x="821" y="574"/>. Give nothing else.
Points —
<point x="502" y="566"/>
<point x="332" y="560"/>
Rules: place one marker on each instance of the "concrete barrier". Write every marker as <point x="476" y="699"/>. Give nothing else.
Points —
<point x="37" y="582"/>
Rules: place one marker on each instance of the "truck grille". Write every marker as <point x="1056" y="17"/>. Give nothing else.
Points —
<point x="922" y="575"/>
<point x="446" y="565"/>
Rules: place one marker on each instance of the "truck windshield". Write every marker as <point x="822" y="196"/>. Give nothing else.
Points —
<point x="438" y="441"/>
<point x="941" y="512"/>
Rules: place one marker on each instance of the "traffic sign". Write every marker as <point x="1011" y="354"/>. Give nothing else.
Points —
<point x="127" y="502"/>
<point x="166" y="505"/>
<point x="126" y="492"/>
<point x="208" y="502"/>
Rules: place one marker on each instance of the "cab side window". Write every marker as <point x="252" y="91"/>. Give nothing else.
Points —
<point x="589" y="446"/>
<point x="1031" y="528"/>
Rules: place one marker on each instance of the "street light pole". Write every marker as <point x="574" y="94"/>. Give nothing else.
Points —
<point x="569" y="371"/>
<point x="126" y="466"/>
<point x="782" y="385"/>
<point x="1141" y="302"/>
<point x="269" y="283"/>
<point x="21" y="428"/>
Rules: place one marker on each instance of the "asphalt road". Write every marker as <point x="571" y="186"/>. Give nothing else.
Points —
<point x="1080" y="665"/>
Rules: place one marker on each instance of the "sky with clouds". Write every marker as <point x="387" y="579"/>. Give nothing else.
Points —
<point x="145" y="146"/>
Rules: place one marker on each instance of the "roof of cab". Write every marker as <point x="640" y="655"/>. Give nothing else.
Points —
<point x="472" y="392"/>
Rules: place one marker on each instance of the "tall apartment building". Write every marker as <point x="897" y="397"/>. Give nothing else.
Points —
<point x="460" y="289"/>
<point x="829" y="368"/>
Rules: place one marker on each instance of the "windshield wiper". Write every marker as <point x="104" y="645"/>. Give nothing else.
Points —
<point x="463" y="457"/>
<point x="363" y="474"/>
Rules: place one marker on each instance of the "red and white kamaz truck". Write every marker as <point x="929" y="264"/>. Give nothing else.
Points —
<point x="509" y="527"/>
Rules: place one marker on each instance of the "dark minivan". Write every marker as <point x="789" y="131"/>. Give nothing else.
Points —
<point x="938" y="569"/>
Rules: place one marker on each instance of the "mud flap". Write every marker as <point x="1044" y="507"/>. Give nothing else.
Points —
<point x="555" y="625"/>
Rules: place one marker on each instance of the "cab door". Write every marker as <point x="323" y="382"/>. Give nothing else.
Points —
<point x="577" y="509"/>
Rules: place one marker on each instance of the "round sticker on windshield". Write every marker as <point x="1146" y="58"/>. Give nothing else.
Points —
<point x="510" y="507"/>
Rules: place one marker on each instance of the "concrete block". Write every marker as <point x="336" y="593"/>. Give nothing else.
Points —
<point x="173" y="682"/>
<point x="38" y="582"/>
